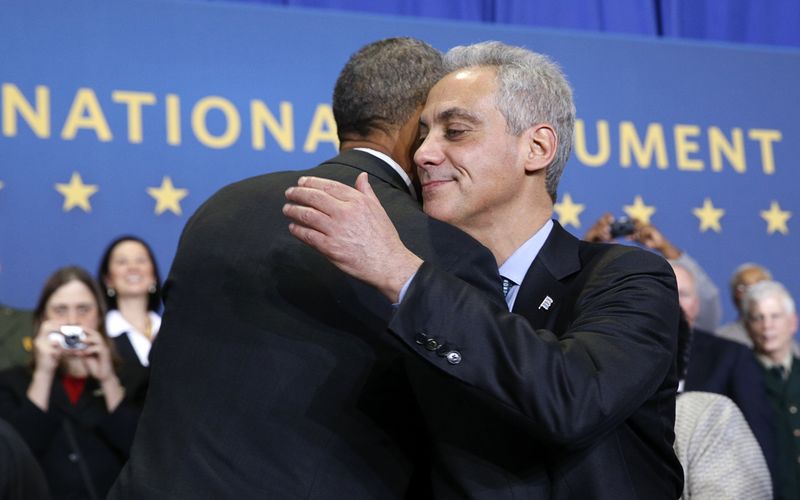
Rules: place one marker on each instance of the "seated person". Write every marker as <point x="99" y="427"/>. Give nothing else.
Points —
<point x="772" y="324"/>
<point x="719" y="454"/>
<point x="69" y="405"/>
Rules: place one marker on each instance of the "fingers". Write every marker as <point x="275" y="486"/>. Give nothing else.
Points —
<point x="306" y="219"/>
<point x="333" y="188"/>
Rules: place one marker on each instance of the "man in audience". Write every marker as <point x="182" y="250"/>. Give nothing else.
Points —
<point x="744" y="276"/>
<point x="771" y="322"/>
<point x="273" y="375"/>
<point x="647" y="235"/>
<point x="724" y="367"/>
<point x="573" y="396"/>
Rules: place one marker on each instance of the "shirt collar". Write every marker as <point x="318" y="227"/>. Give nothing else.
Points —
<point x="768" y="363"/>
<point x="116" y="324"/>
<point x="516" y="266"/>
<point x="396" y="166"/>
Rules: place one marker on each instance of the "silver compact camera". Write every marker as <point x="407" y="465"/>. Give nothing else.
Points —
<point x="70" y="337"/>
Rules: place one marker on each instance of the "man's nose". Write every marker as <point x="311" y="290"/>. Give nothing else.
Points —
<point x="428" y="153"/>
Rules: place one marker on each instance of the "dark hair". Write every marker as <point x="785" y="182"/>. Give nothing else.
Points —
<point x="382" y="85"/>
<point x="154" y="299"/>
<point x="60" y="278"/>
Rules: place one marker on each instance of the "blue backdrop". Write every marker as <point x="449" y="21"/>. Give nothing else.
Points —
<point x="123" y="117"/>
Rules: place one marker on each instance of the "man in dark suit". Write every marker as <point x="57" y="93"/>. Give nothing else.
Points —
<point x="273" y="375"/>
<point x="574" y="395"/>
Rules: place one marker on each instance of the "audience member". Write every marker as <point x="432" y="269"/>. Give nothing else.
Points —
<point x="771" y="322"/>
<point x="721" y="459"/>
<point x="647" y="235"/>
<point x="69" y="405"/>
<point x="717" y="365"/>
<point x="743" y="277"/>
<point x="129" y="278"/>
<point x="21" y="478"/>
<point x="15" y="337"/>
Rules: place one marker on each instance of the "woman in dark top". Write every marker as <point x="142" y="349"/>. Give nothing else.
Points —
<point x="70" y="406"/>
<point x="128" y="277"/>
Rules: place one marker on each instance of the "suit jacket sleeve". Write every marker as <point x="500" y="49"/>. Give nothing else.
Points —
<point x="569" y="386"/>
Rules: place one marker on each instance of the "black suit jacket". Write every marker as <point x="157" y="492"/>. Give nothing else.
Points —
<point x="274" y="375"/>
<point x="571" y="400"/>
<point x="729" y="368"/>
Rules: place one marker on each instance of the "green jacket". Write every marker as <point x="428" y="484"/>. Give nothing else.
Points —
<point x="784" y="396"/>
<point x="16" y="337"/>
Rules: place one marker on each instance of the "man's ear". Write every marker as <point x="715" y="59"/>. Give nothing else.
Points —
<point x="540" y="144"/>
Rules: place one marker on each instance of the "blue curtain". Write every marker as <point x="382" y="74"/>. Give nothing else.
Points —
<point x="773" y="22"/>
<point x="618" y="16"/>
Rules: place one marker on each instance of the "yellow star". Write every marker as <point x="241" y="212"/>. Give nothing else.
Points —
<point x="709" y="216"/>
<point x="2" y="184"/>
<point x="639" y="210"/>
<point x="776" y="218"/>
<point x="167" y="197"/>
<point x="76" y="193"/>
<point x="568" y="212"/>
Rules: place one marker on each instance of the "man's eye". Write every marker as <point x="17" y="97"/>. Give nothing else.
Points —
<point x="453" y="133"/>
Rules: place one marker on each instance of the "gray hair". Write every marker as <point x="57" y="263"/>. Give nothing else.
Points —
<point x="764" y="289"/>
<point x="531" y="89"/>
<point x="382" y="85"/>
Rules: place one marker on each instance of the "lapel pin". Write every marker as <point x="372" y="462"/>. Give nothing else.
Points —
<point x="546" y="303"/>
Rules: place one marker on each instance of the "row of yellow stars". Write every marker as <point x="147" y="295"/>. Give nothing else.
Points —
<point x="77" y="194"/>
<point x="568" y="213"/>
<point x="168" y="197"/>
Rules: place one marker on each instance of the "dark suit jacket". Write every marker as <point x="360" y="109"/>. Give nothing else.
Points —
<point x="729" y="368"/>
<point x="573" y="400"/>
<point x="69" y="437"/>
<point x="274" y="375"/>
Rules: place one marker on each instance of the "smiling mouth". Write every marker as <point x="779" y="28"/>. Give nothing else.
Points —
<point x="434" y="184"/>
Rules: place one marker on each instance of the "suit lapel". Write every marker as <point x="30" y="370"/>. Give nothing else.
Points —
<point x="544" y="291"/>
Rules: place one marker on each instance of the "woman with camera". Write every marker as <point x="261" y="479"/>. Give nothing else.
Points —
<point x="70" y="406"/>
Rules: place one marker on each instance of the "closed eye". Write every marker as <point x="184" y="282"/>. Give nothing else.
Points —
<point x="453" y="133"/>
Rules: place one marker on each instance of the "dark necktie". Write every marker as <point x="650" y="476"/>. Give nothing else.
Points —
<point x="507" y="284"/>
<point x="779" y="372"/>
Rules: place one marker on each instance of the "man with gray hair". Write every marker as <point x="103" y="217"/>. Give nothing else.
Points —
<point x="743" y="276"/>
<point x="273" y="375"/>
<point x="571" y="393"/>
<point x="771" y="322"/>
